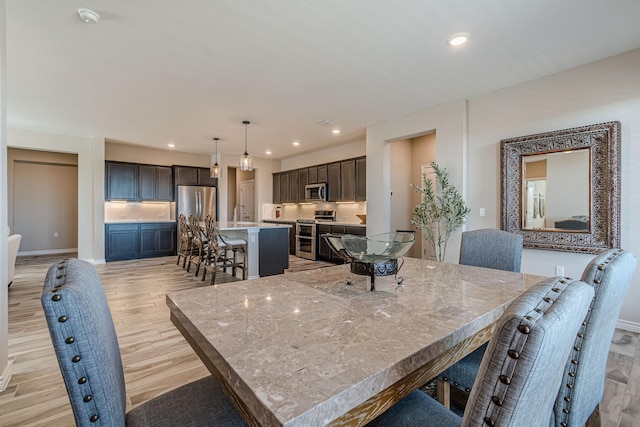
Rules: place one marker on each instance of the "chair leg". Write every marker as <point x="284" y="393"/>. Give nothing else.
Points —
<point x="443" y="393"/>
<point x="594" y="419"/>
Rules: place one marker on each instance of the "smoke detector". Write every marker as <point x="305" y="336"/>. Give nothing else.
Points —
<point x="88" y="15"/>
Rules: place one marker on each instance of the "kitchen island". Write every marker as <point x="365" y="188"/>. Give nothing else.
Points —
<point x="267" y="245"/>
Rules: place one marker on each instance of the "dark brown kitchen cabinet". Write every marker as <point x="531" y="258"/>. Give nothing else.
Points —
<point x="323" y="250"/>
<point x="348" y="180"/>
<point x="284" y="187"/>
<point x="156" y="183"/>
<point x="312" y="172"/>
<point x="187" y="175"/>
<point x="333" y="182"/>
<point x="204" y="178"/>
<point x="322" y="173"/>
<point x="277" y="198"/>
<point x="361" y="179"/>
<point x="303" y="180"/>
<point x="273" y="246"/>
<point x="121" y="181"/>
<point x="293" y="187"/>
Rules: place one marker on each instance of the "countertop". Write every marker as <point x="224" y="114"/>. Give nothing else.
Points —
<point x="293" y="221"/>
<point x="244" y="225"/>
<point x="140" y="221"/>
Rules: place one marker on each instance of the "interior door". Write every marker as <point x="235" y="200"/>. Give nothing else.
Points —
<point x="247" y="199"/>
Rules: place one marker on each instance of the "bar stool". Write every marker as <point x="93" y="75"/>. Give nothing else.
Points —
<point x="199" y="241"/>
<point x="186" y="242"/>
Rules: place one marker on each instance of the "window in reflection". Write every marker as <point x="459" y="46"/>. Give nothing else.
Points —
<point x="555" y="194"/>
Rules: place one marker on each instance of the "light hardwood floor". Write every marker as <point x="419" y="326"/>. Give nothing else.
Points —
<point x="156" y="358"/>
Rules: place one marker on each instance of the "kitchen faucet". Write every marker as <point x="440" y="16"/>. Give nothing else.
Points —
<point x="243" y="210"/>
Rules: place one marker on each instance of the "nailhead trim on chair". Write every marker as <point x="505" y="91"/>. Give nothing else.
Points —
<point x="575" y="352"/>
<point x="517" y="344"/>
<point x="66" y="324"/>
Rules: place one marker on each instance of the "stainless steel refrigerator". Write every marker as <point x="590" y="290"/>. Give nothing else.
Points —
<point x="196" y="200"/>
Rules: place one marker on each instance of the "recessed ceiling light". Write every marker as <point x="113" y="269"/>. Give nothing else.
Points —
<point x="88" y="15"/>
<point x="171" y="145"/>
<point x="267" y="152"/>
<point x="458" y="39"/>
<point x="336" y="131"/>
<point x="296" y="143"/>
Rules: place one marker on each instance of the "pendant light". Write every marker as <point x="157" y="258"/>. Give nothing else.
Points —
<point x="215" y="169"/>
<point x="246" y="162"/>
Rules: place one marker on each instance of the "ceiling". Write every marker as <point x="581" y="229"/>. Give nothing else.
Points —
<point x="154" y="72"/>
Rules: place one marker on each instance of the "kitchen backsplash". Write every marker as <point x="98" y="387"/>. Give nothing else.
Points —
<point x="345" y="212"/>
<point x="139" y="211"/>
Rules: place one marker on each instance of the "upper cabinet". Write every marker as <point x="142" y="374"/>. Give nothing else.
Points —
<point x="346" y="181"/>
<point x="156" y="183"/>
<point x="135" y="182"/>
<point x="186" y="175"/>
<point x="361" y="179"/>
<point x="121" y="181"/>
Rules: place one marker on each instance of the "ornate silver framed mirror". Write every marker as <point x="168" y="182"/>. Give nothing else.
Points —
<point x="561" y="189"/>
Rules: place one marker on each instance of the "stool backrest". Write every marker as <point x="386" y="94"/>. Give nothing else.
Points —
<point x="522" y="368"/>
<point x="582" y="388"/>
<point x="491" y="248"/>
<point x="85" y="343"/>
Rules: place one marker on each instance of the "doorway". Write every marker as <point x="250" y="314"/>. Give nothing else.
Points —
<point x="41" y="181"/>
<point x="407" y="159"/>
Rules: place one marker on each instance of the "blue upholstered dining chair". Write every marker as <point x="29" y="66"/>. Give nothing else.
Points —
<point x="489" y="248"/>
<point x="577" y="404"/>
<point x="522" y="368"/>
<point x="86" y="345"/>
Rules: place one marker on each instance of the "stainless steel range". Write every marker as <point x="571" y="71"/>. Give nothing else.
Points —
<point x="306" y="233"/>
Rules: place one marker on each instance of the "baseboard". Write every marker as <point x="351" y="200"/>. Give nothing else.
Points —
<point x="48" y="252"/>
<point x="6" y="376"/>
<point x="628" y="326"/>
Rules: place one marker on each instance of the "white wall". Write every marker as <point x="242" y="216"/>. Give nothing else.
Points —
<point x="604" y="91"/>
<point x="328" y="155"/>
<point x="5" y="365"/>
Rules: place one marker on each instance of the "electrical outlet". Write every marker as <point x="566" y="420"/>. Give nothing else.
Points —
<point x="55" y="234"/>
<point x="559" y="270"/>
<point x="482" y="212"/>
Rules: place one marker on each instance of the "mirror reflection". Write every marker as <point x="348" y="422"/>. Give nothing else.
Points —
<point x="556" y="191"/>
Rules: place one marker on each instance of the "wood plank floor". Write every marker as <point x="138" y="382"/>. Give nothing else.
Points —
<point x="155" y="356"/>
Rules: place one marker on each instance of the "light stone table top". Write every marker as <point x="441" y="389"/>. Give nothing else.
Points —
<point x="305" y="349"/>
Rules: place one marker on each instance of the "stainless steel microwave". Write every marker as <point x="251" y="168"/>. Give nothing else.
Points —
<point x="315" y="192"/>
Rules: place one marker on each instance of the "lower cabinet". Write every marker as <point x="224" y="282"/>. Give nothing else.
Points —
<point x="292" y="234"/>
<point x="274" y="251"/>
<point x="139" y="240"/>
<point x="323" y="250"/>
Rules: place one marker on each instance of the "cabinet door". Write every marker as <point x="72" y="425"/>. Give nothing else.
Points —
<point x="348" y="180"/>
<point x="204" y="177"/>
<point x="356" y="231"/>
<point x="276" y="188"/>
<point x="284" y="188"/>
<point x="186" y="175"/>
<point x="274" y="251"/>
<point x="157" y="239"/>
<point x="322" y="173"/>
<point x="121" y="241"/>
<point x="147" y="177"/>
<point x="122" y="181"/>
<point x="361" y="179"/>
<point x="293" y="187"/>
<point x="313" y="175"/>
<point x="164" y="183"/>
<point x="323" y="251"/>
<point x="303" y="180"/>
<point x="333" y="182"/>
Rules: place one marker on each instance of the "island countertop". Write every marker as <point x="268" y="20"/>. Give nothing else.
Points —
<point x="245" y="225"/>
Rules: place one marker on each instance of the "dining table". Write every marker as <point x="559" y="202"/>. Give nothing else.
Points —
<point x="309" y="349"/>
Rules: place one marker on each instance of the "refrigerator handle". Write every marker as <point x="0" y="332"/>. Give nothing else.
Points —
<point x="198" y="206"/>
